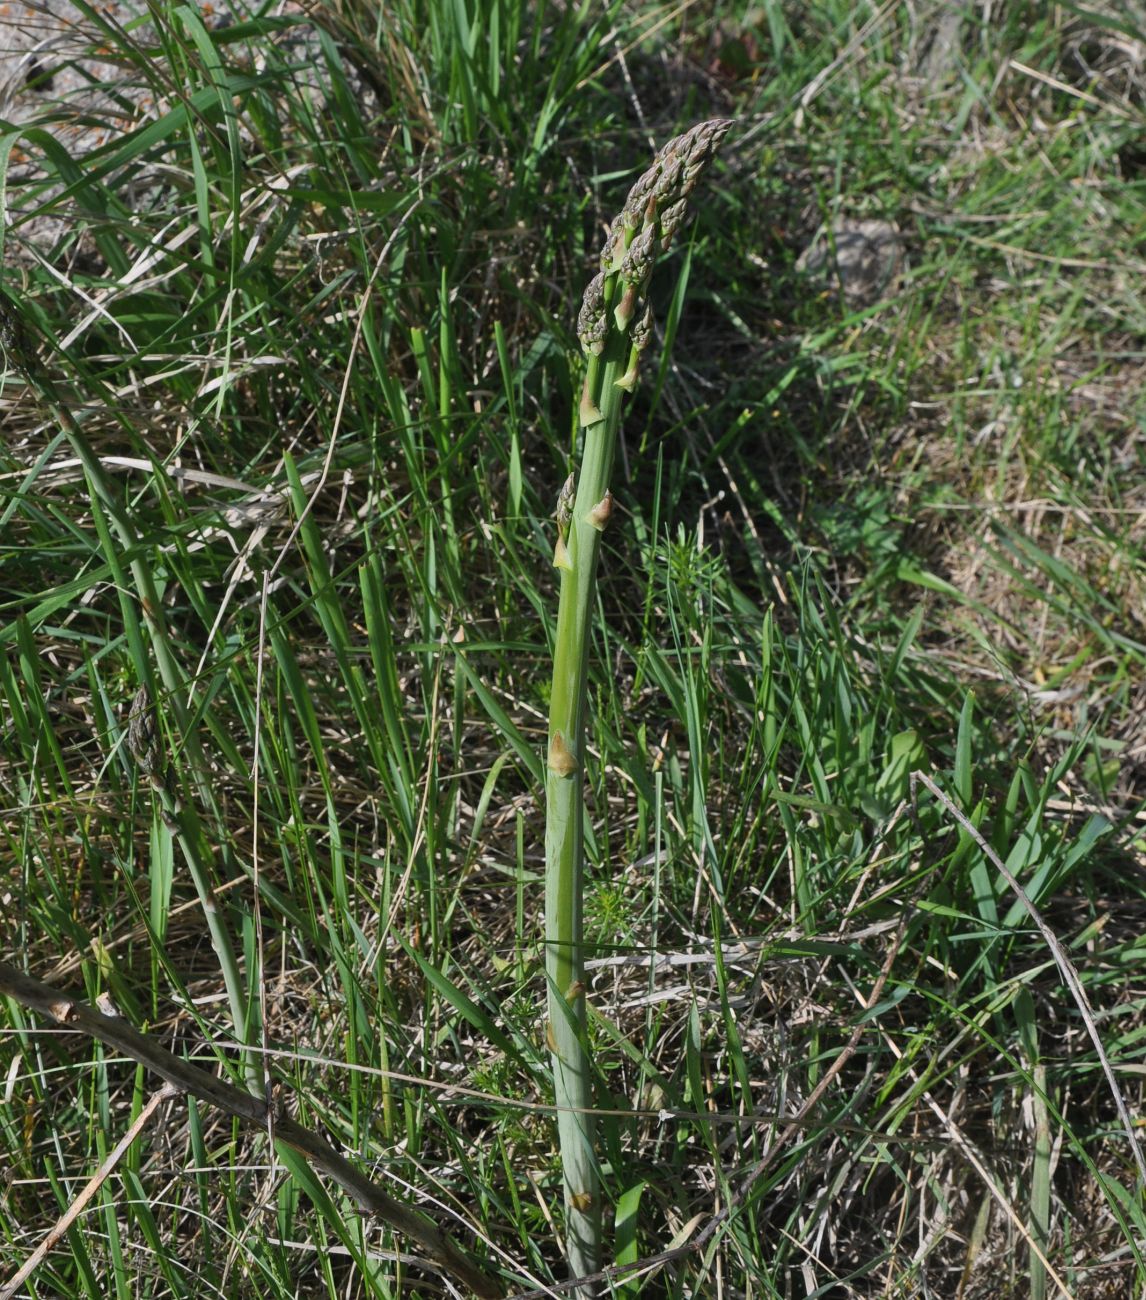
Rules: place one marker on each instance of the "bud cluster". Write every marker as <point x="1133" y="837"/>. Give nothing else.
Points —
<point x="143" y="740"/>
<point x="565" y="504"/>
<point x="14" y="340"/>
<point x="592" y="323"/>
<point x="654" y="211"/>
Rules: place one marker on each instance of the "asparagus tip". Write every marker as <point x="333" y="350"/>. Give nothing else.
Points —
<point x="143" y="740"/>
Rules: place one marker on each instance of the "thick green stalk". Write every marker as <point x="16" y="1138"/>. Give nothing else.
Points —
<point x="564" y="832"/>
<point x="615" y="328"/>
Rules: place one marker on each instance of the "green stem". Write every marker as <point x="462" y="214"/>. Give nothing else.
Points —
<point x="614" y="327"/>
<point x="564" y="833"/>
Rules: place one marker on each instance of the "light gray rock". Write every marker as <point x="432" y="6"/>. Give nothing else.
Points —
<point x="50" y="57"/>
<point x="862" y="258"/>
<point x="88" y="80"/>
<point x="945" y="50"/>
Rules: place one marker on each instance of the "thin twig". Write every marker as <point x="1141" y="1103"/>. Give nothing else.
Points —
<point x="371" y="1199"/>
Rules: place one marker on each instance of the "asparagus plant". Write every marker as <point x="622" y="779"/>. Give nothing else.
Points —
<point x="614" y="327"/>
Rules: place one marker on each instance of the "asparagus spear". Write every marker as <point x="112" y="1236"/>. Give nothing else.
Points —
<point x="615" y="326"/>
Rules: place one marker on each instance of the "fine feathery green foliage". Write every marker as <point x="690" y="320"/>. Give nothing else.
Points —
<point x="614" y="326"/>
